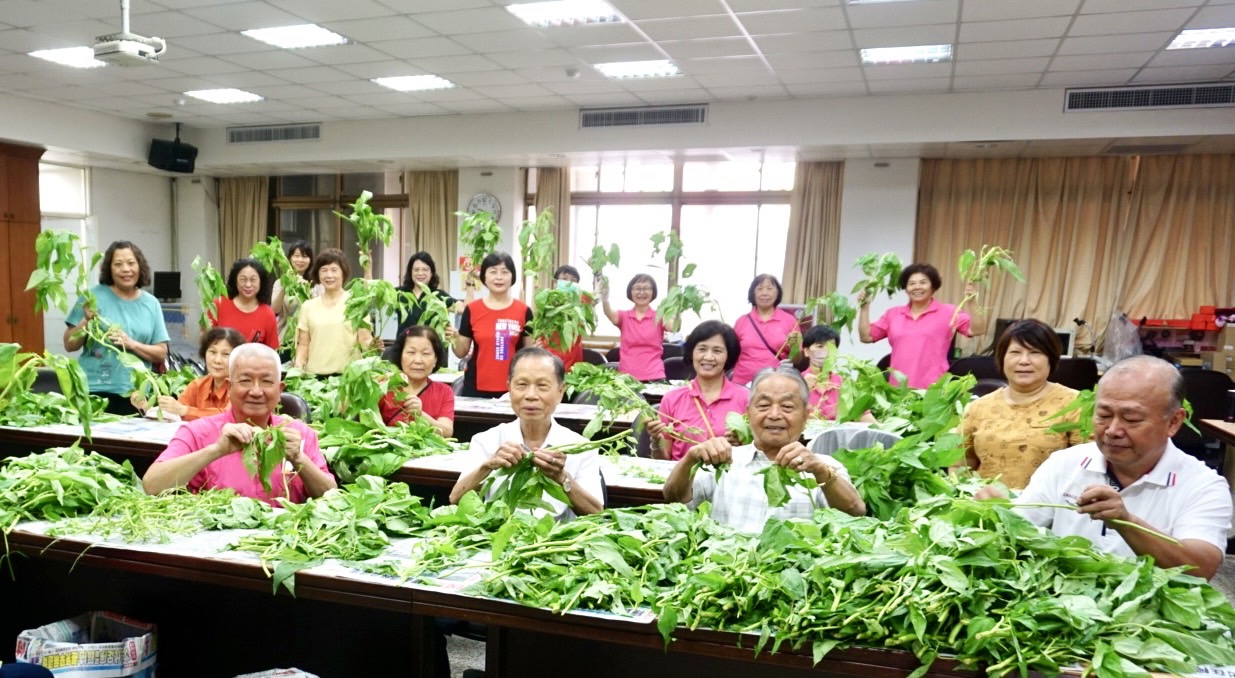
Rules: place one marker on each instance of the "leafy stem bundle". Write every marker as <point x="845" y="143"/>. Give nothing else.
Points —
<point x="364" y="382"/>
<point x="975" y="268"/>
<point x="18" y="372"/>
<point x="616" y="394"/>
<point x="370" y="300"/>
<point x="369" y="448"/>
<point x="840" y="313"/>
<point x="210" y="287"/>
<point x="600" y="258"/>
<point x="479" y="235"/>
<point x="369" y="226"/>
<point x="435" y="314"/>
<point x="296" y="289"/>
<point x="59" y="483"/>
<point x="523" y="486"/>
<point x="683" y="298"/>
<point x="562" y="316"/>
<point x="56" y="262"/>
<point x="537" y="243"/>
<point x="265" y="453"/>
<point x="140" y="517"/>
<point x="882" y="273"/>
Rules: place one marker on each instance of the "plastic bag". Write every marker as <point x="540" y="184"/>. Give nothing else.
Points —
<point x="1122" y="339"/>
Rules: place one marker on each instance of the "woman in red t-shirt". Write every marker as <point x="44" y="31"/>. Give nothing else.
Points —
<point x="574" y="353"/>
<point x="496" y="325"/>
<point x="246" y="308"/>
<point x="419" y="353"/>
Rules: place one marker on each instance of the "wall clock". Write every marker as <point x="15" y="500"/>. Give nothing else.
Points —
<point x="485" y="202"/>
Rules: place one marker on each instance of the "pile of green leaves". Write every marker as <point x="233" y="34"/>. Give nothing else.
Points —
<point x="369" y="226"/>
<point x="364" y="382"/>
<point x="350" y="523"/>
<point x="60" y="483"/>
<point x="898" y="408"/>
<point x="150" y="383"/>
<point x="538" y="244"/>
<point x="671" y="243"/>
<point x="615" y="394"/>
<point x="882" y="273"/>
<point x="974" y="267"/>
<point x="523" y="486"/>
<point x="369" y="448"/>
<point x="319" y="394"/>
<point x="210" y="287"/>
<point x="561" y="316"/>
<point x="264" y="454"/>
<point x="145" y="518"/>
<point x="19" y="406"/>
<point x="913" y="470"/>
<point x="479" y="235"/>
<point x="840" y="314"/>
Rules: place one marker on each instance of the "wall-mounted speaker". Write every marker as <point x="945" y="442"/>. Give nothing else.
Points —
<point x="172" y="156"/>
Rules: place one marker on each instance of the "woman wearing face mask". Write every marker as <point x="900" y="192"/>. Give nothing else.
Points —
<point x="1007" y="432"/>
<point x="567" y="276"/>
<point x="697" y="411"/>
<point x="246" y="308"/>
<point x="921" y="331"/>
<point x="767" y="333"/>
<point x="208" y="395"/>
<point x="421" y="270"/>
<point x="136" y="325"/>
<point x="820" y="343"/>
<point x="325" y="341"/>
<point x="300" y="255"/>
<point x="419" y="353"/>
<point x="642" y="346"/>
<point x="496" y="325"/>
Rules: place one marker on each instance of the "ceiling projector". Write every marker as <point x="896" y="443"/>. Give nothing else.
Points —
<point x="128" y="49"/>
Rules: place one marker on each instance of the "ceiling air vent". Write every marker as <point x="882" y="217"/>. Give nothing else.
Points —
<point x="693" y="114"/>
<point x="1160" y="96"/>
<point x="260" y="133"/>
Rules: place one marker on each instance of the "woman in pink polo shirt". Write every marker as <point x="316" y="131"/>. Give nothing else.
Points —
<point x="641" y="351"/>
<point x="921" y="331"/>
<point x="696" y="412"/>
<point x="767" y="332"/>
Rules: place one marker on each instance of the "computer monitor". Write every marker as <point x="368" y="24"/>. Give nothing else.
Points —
<point x="1067" y="341"/>
<point x="167" y="285"/>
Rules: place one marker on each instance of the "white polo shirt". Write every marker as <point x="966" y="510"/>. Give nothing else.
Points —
<point x="1180" y="496"/>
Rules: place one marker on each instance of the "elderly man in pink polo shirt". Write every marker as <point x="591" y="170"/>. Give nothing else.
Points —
<point x="205" y="453"/>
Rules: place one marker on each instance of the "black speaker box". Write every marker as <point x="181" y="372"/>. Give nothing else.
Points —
<point x="167" y="285"/>
<point x="172" y="156"/>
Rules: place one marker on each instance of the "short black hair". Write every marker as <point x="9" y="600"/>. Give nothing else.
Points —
<point x="559" y="368"/>
<point x="304" y="248"/>
<point x="216" y="334"/>
<point x="820" y="334"/>
<point x="143" y="268"/>
<point x="395" y="353"/>
<point x="330" y="255"/>
<point x="493" y="259"/>
<point x="706" y="330"/>
<point x="927" y="270"/>
<point x="1030" y="333"/>
<point x="265" y="282"/>
<point x="641" y="277"/>
<point x="424" y="257"/>
<point x="568" y="270"/>
<point x="759" y="279"/>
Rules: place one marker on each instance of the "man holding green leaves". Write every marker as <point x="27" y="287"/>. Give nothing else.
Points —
<point x="777" y="413"/>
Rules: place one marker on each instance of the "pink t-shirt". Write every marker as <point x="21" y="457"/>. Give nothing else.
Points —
<point x="686" y="405"/>
<point x="641" y="351"/>
<point x="920" y="347"/>
<point x="756" y="353"/>
<point x="229" y="471"/>
<point x="825" y="395"/>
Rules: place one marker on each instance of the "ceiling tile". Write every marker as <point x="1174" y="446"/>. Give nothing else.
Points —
<point x="938" y="34"/>
<point x="603" y="54"/>
<point x="793" y="21"/>
<point x="805" y="42"/>
<point x="172" y="25"/>
<point x="311" y="75"/>
<point x="243" y="16"/>
<point x="30" y="13"/>
<point x="820" y="75"/>
<point x="910" y="85"/>
<point x="690" y="28"/>
<point x="1002" y="10"/>
<point x="1105" y="44"/>
<point x="1088" y="78"/>
<point x="593" y="34"/>
<point x="851" y="88"/>
<point x="639" y="85"/>
<point x="378" y="29"/>
<point x="343" y="54"/>
<point x="322" y="11"/>
<point x="811" y="60"/>
<point x="1194" y="57"/>
<point x="753" y="78"/>
<point x="1093" y="62"/>
<point x="544" y="57"/>
<point x="1130" y="22"/>
<point x="201" y="66"/>
<point x="584" y="87"/>
<point x="536" y="103"/>
<point x="670" y="97"/>
<point x="730" y="93"/>
<point x="902" y="71"/>
<point x="725" y="65"/>
<point x="718" y="47"/>
<point x="1184" y="74"/>
<point x="413" y="109"/>
<point x="638" y="10"/>
<point x="453" y="64"/>
<point x="1100" y="6"/>
<point x="893" y="14"/>
<point x="261" y="61"/>
<point x="1002" y="81"/>
<point x="612" y="99"/>
<point x="379" y="69"/>
<point x="481" y="20"/>
<point x="488" y="78"/>
<point x="504" y="41"/>
<point x="420" y="47"/>
<point x="1001" y="66"/>
<point x="287" y="92"/>
<point x="1021" y="29"/>
<point x="524" y="90"/>
<point x="223" y="43"/>
<point x="764" y="5"/>
<point x="76" y="32"/>
<point x="345" y="88"/>
<point x="1217" y="16"/>
<point x="23" y="40"/>
<point x="475" y="106"/>
<point x="1006" y="50"/>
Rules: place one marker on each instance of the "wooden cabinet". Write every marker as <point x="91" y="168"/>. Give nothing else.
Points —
<point x="19" y="226"/>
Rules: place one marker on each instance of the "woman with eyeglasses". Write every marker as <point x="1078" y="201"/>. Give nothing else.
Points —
<point x="641" y="349"/>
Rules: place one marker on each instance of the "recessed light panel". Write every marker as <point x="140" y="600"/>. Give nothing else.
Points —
<point x="296" y="37"/>
<point x="918" y="54"/>
<point x="660" y="68"/>
<point x="1204" y="37"/>
<point x="77" y="57"/>
<point x="414" y="83"/>
<point x="564" y="12"/>
<point x="224" y="96"/>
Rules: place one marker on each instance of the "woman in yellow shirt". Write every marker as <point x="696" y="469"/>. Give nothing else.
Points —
<point x="325" y="341"/>
<point x="204" y="396"/>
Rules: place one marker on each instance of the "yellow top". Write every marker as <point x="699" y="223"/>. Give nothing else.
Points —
<point x="1010" y="440"/>
<point x="332" y="341"/>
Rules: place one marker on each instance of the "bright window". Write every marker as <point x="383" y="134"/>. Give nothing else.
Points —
<point x="62" y="190"/>
<point x="631" y="228"/>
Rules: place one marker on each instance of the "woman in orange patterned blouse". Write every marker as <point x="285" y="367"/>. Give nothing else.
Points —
<point x="204" y="396"/>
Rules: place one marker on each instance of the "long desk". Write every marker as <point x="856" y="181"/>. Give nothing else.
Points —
<point x="217" y="617"/>
<point x="1224" y="431"/>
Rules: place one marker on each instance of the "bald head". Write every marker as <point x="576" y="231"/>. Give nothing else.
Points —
<point x="1158" y="382"/>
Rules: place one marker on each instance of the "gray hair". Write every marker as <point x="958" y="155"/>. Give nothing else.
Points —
<point x="1155" y="371"/>
<point x="782" y="370"/>
<point x="260" y="351"/>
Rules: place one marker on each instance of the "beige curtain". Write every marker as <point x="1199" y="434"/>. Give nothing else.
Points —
<point x="553" y="192"/>
<point x="244" y="204"/>
<point x="813" y="243"/>
<point x="1061" y="217"/>
<point x="1180" y="240"/>
<point x="429" y="223"/>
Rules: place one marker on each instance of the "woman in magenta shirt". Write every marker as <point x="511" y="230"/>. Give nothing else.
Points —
<point x="767" y="332"/>
<point x="696" y="412"/>
<point x="641" y="351"/>
<point x="921" y="331"/>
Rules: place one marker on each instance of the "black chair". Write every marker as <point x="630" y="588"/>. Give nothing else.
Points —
<point x="585" y="398"/>
<point x="1207" y="391"/>
<point x="45" y="381"/>
<point x="676" y="368"/>
<point x="294" y="406"/>
<point x="613" y="355"/>
<point x="884" y="362"/>
<point x="985" y="386"/>
<point x="980" y="366"/>
<point x="1078" y="373"/>
<point x="671" y="351"/>
<point x="591" y="355"/>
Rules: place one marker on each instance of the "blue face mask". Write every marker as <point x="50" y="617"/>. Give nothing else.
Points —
<point x="567" y="285"/>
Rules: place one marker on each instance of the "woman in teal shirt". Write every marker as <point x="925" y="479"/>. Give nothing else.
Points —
<point x="136" y="325"/>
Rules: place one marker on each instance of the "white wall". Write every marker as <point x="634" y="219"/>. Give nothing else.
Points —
<point x="879" y="209"/>
<point x="502" y="182"/>
<point x="197" y="234"/>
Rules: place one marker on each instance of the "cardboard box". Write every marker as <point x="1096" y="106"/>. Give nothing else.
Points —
<point x="1215" y="360"/>
<point x="91" y="645"/>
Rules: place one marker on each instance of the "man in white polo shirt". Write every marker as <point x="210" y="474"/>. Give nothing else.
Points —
<point x="1133" y="472"/>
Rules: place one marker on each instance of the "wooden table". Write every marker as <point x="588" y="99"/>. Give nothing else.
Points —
<point x="1224" y="431"/>
<point x="217" y="617"/>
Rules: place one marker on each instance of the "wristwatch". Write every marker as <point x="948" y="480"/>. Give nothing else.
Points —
<point x="566" y="483"/>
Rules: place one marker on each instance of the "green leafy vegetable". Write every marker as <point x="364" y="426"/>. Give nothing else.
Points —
<point x="523" y="486"/>
<point x="882" y="273"/>
<point x="739" y="425"/>
<point x="538" y="244"/>
<point x="369" y="448"/>
<point x="364" y="382"/>
<point x="140" y="517"/>
<point x="435" y="314"/>
<point x="59" y="483"/>
<point x="600" y="258"/>
<point x="369" y="226"/>
<point x="562" y="316"/>
<point x="840" y="313"/>
<point x="210" y="287"/>
<point x="616" y="394"/>
<point x="265" y="453"/>
<point x="975" y="269"/>
<point x="778" y="479"/>
<point x="479" y="235"/>
<point x="1082" y="421"/>
<point x="683" y="298"/>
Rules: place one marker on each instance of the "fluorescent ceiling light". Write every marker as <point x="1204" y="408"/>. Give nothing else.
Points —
<point x="564" y="12"/>
<point x="1204" y="37"/>
<point x="294" y="37"/>
<point x="414" y="83"/>
<point x="224" y="96"/>
<point x="638" y="69"/>
<point x="919" y="54"/>
<point x="77" y="57"/>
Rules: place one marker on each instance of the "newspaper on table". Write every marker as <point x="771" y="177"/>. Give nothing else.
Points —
<point x="92" y="644"/>
<point x="279" y="673"/>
